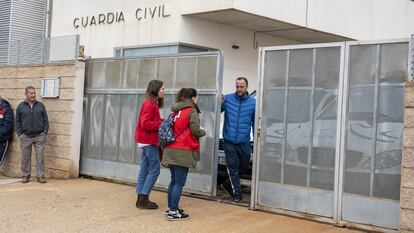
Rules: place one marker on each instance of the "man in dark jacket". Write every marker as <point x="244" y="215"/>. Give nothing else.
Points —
<point x="6" y="127"/>
<point x="32" y="125"/>
<point x="239" y="118"/>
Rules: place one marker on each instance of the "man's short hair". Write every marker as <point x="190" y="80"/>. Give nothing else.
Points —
<point x="244" y="79"/>
<point x="29" y="88"/>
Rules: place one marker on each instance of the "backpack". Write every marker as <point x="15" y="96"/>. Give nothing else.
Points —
<point x="166" y="131"/>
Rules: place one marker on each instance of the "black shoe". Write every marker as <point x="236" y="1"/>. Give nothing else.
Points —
<point x="25" y="179"/>
<point x="179" y="210"/>
<point x="41" y="180"/>
<point x="238" y="198"/>
<point x="227" y="188"/>
<point x="176" y="216"/>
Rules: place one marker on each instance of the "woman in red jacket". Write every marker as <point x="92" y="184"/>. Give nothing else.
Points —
<point x="182" y="154"/>
<point x="146" y="136"/>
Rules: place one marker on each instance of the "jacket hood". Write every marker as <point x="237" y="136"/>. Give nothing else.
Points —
<point x="184" y="104"/>
<point x="4" y="103"/>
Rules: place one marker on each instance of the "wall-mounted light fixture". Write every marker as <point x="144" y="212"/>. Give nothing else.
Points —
<point x="235" y="45"/>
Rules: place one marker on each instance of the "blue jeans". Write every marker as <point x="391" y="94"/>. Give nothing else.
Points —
<point x="237" y="161"/>
<point x="178" y="178"/>
<point x="149" y="170"/>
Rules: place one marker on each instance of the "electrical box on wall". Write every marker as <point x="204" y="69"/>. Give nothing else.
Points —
<point x="50" y="87"/>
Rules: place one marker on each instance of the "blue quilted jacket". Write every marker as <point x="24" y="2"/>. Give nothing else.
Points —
<point x="238" y="118"/>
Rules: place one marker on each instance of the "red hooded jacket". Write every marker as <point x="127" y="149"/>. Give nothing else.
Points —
<point x="184" y="139"/>
<point x="149" y="120"/>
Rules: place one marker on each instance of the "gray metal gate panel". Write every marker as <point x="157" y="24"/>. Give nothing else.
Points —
<point x="372" y="144"/>
<point x="375" y="201"/>
<point x="288" y="156"/>
<point x="115" y="89"/>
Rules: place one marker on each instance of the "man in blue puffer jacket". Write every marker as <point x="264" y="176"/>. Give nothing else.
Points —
<point x="239" y="116"/>
<point x="6" y="127"/>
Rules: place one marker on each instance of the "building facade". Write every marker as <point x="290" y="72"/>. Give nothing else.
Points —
<point x="230" y="39"/>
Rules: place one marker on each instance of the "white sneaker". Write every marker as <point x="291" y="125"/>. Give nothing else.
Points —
<point x="176" y="216"/>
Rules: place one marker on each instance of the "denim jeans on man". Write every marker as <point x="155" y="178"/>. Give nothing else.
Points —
<point x="178" y="178"/>
<point x="149" y="169"/>
<point x="237" y="161"/>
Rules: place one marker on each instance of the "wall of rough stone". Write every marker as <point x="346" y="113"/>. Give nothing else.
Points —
<point x="62" y="148"/>
<point x="407" y="172"/>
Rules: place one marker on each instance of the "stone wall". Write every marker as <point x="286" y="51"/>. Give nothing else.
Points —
<point x="62" y="147"/>
<point x="407" y="172"/>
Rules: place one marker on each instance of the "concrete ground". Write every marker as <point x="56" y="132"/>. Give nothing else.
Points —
<point x="84" y="205"/>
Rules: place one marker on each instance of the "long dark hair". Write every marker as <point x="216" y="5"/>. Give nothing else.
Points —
<point x="186" y="93"/>
<point x="153" y="88"/>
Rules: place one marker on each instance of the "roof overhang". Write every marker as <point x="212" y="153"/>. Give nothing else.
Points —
<point x="271" y="27"/>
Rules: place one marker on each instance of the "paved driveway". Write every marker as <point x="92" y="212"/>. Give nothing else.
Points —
<point x="84" y="205"/>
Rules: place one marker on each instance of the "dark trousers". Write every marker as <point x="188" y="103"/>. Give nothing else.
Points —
<point x="237" y="161"/>
<point x="178" y="179"/>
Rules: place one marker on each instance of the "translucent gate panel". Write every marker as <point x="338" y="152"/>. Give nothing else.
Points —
<point x="129" y="113"/>
<point x="111" y="128"/>
<point x="95" y="76"/>
<point x="206" y="68"/>
<point x="186" y="72"/>
<point x="206" y="103"/>
<point x="94" y="125"/>
<point x="147" y="72"/>
<point x="325" y="108"/>
<point x="298" y="116"/>
<point x="298" y="133"/>
<point x="165" y="71"/>
<point x="131" y="71"/>
<point x="360" y="126"/>
<point x="374" y="133"/>
<point x="115" y="90"/>
<point x="113" y="74"/>
<point x="273" y="116"/>
<point x="388" y="151"/>
<point x="138" y="104"/>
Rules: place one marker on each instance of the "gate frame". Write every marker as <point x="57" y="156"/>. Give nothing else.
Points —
<point x="343" y="87"/>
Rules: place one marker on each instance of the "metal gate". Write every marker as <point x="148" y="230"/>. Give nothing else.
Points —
<point x="115" y="89"/>
<point x="329" y="141"/>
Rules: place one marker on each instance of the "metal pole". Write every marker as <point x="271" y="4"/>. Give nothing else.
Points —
<point x="375" y="119"/>
<point x="309" y="168"/>
<point x="282" y="170"/>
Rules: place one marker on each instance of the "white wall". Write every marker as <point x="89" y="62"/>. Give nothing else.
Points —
<point x="237" y="62"/>
<point x="100" y="40"/>
<point x="363" y="20"/>
<point x="356" y="19"/>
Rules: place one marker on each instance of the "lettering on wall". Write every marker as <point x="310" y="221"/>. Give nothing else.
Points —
<point x="107" y="18"/>
<point x="151" y="12"/>
<point x="145" y="13"/>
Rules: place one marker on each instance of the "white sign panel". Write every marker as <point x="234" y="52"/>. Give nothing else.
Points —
<point x="50" y="87"/>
